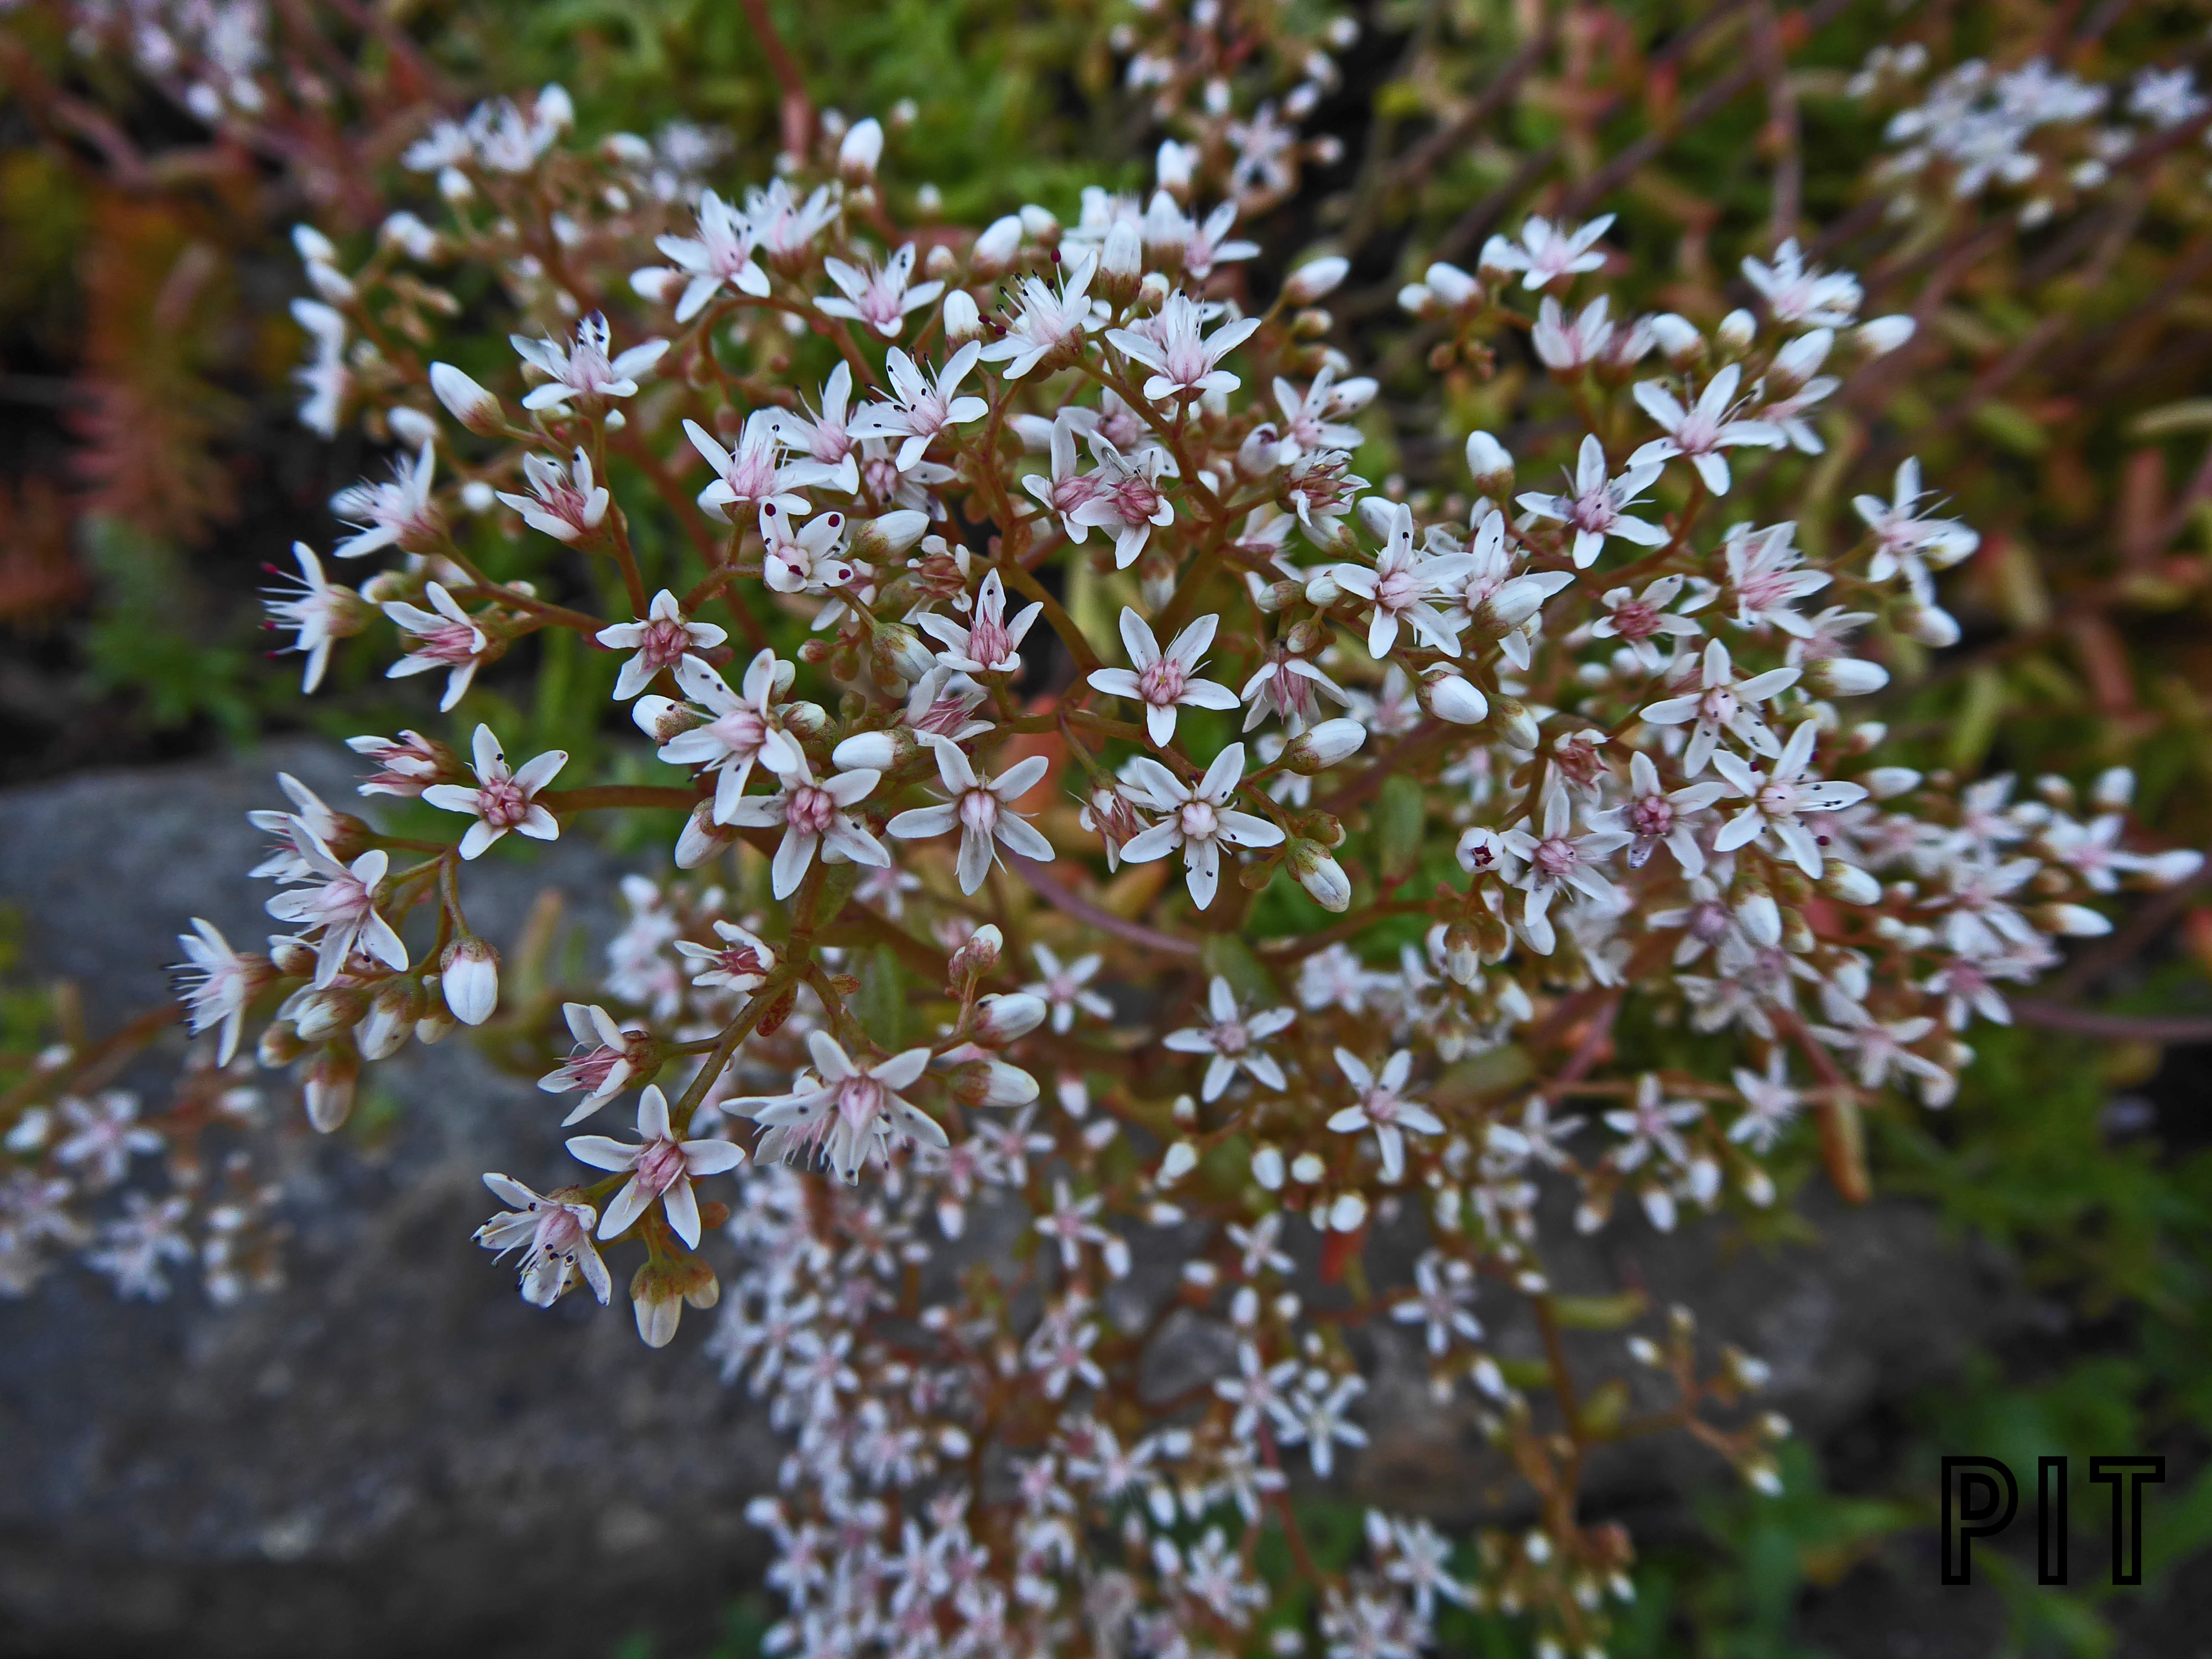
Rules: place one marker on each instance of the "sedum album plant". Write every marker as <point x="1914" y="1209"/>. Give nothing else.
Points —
<point x="1133" y="899"/>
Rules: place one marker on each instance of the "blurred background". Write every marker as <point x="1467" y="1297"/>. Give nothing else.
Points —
<point x="2034" y="1277"/>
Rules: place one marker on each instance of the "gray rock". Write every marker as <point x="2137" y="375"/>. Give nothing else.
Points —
<point x="392" y="1454"/>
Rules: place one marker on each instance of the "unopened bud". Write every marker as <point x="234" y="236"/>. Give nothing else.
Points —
<point x="470" y="975"/>
<point x="992" y="1083"/>
<point x="663" y="719"/>
<point x="1735" y="333"/>
<point x="861" y="149"/>
<point x="2071" y="921"/>
<point x="1122" y="263"/>
<point x="1322" y="746"/>
<point x="1452" y="697"/>
<point x="1322" y="590"/>
<point x="317" y="1015"/>
<point x="1679" y="340"/>
<point x="1039" y="225"/>
<point x="1491" y="465"/>
<point x="995" y="249"/>
<point x="963" y="322"/>
<point x="1453" y="288"/>
<point x="899" y="652"/>
<point x="1849" y="883"/>
<point x="1321" y="875"/>
<point x="328" y="1089"/>
<point x="280" y="1045"/>
<point x="701" y="838"/>
<point x="1878" y="336"/>
<point x="1843" y="676"/>
<point x="1182" y="1158"/>
<point x="874" y="751"/>
<point x="1267" y="1167"/>
<point x="887" y="538"/>
<point x="660" y="1289"/>
<point x="1930" y="625"/>
<point x="467" y="402"/>
<point x="1347" y="1214"/>
<point x="1001" y="1019"/>
<point x="292" y="957"/>
<point x="1317" y="280"/>
<point x="1517" y="726"/>
<point x="977" y="955"/>
<point x="391" y="1015"/>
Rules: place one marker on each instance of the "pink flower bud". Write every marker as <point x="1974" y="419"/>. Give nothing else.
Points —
<point x="467" y="402"/>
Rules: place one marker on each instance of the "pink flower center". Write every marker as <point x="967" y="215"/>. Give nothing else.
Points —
<point x="741" y="732"/>
<point x="1162" y="682"/>
<point x="979" y="812"/>
<point x="664" y="643"/>
<point x="501" y="804"/>
<point x="810" y="809"/>
<point x="1135" y="501"/>
<point x="1636" y="620"/>
<point x="1556" y="858"/>
<point x="659" y="1166"/>
<point x="1230" y="1037"/>
<point x="1652" y="816"/>
<point x="1200" y="821"/>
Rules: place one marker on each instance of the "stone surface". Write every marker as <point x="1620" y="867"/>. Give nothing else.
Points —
<point x="393" y="1455"/>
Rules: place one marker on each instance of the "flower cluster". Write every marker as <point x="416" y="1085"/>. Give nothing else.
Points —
<point x="1278" y="884"/>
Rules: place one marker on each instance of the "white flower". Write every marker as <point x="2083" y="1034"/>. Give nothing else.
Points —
<point x="1051" y="322"/>
<point x="1699" y="433"/>
<point x="987" y="644"/>
<point x="1599" y="507"/>
<point x="503" y="798"/>
<point x="661" y="639"/>
<point x="1650" y="1123"/>
<point x="1567" y="342"/>
<point x="753" y="476"/>
<point x="808" y="558"/>
<point x="983" y="808"/>
<point x="1164" y="681"/>
<point x="826" y="441"/>
<point x="102" y="1134"/>
<point x="1722" y="702"/>
<point x="1062" y="988"/>
<point x="395" y="515"/>
<point x="1767" y="575"/>
<point x="718" y="257"/>
<point x="1778" y="796"/>
<point x="342" y="905"/>
<point x="1285" y="686"/>
<point x="1554" y="857"/>
<point x="1200" y="820"/>
<point x="924" y="408"/>
<point x="1125" y="496"/>
<point x="812" y="814"/>
<point x="601" y="1064"/>
<point x="555" y="1237"/>
<point x="1233" y="1038"/>
<point x="583" y="369"/>
<point x="446" y="637"/>
<point x="1402" y="583"/>
<point x="1641" y="620"/>
<point x="320" y="614"/>
<point x="325" y="377"/>
<point x="566" y="506"/>
<point x="1545" y="254"/>
<point x="1769" y="1104"/>
<point x="845" y="1112"/>
<point x="662" y="1168"/>
<point x="1309" y="423"/>
<point x="1907" y="545"/>
<point x="879" y="297"/>
<point x="1653" y="816"/>
<point x="1184" y="366"/>
<point x="225" y="987"/>
<point x="1381" y="1106"/>
<point x="1443" y="1285"/>
<point x="739" y="730"/>
<point x="741" y="962"/>
<point x="1796" y="292"/>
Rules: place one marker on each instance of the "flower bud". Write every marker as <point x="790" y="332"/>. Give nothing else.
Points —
<point x="1735" y="333"/>
<point x="1307" y="1169"/>
<point x="701" y="839"/>
<point x="1309" y="282"/>
<point x="874" y="751"/>
<point x="805" y="720"/>
<point x="1843" y="676"/>
<point x="470" y="975"/>
<point x="660" y="1289"/>
<point x="992" y="1083"/>
<point x="1039" y="225"/>
<point x="663" y="719"/>
<point x="888" y="537"/>
<point x="1122" y="263"/>
<point x="1174" y="166"/>
<point x="1322" y="590"/>
<point x="1490" y="464"/>
<point x="1001" y="1019"/>
<point x="2170" y="868"/>
<point x="317" y="1015"/>
<point x="899" y="652"/>
<point x="1182" y="1158"/>
<point x="1453" y="288"/>
<point x="280" y="1045"/>
<point x="1930" y="625"/>
<point x="1760" y="918"/>
<point x="1321" y="875"/>
<point x="2071" y="921"/>
<point x="1886" y="782"/>
<point x="1267" y="1167"/>
<point x="995" y="249"/>
<point x="1451" y="697"/>
<point x="293" y="958"/>
<point x="1322" y="746"/>
<point x="1849" y="883"/>
<point x="861" y="149"/>
<point x="1880" y="335"/>
<point x="467" y="402"/>
<point x="391" y="1015"/>
<point x="977" y="955"/>
<point x="1417" y="299"/>
<point x="1347" y="1214"/>
<point x="963" y="321"/>
<point x="1679" y="340"/>
<point x="330" y="1086"/>
<point x="1517" y="726"/>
